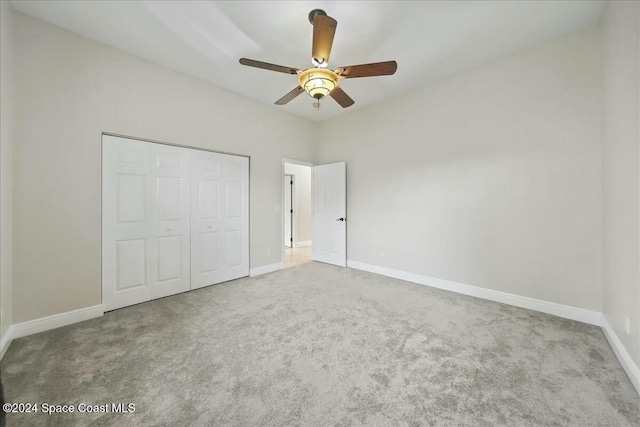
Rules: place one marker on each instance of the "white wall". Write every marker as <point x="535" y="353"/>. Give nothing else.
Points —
<point x="492" y="177"/>
<point x="489" y="178"/>
<point x="302" y="200"/>
<point x="6" y="143"/>
<point x="621" y="171"/>
<point x="69" y="89"/>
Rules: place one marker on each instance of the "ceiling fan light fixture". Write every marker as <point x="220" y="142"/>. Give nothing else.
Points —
<point x="318" y="82"/>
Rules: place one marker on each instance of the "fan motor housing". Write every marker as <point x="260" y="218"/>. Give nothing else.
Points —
<point x="315" y="12"/>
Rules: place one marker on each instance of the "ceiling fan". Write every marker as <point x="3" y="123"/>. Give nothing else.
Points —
<point x="320" y="81"/>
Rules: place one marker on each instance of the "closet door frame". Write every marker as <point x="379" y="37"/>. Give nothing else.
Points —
<point x="107" y="275"/>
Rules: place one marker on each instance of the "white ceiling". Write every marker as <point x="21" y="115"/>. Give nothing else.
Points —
<point x="429" y="39"/>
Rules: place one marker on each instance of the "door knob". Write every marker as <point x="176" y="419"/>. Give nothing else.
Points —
<point x="169" y="229"/>
<point x="341" y="219"/>
<point x="208" y="226"/>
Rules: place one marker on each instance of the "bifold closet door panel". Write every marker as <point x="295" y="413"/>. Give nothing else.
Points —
<point x="145" y="204"/>
<point x="126" y="214"/>
<point x="219" y="218"/>
<point x="170" y="229"/>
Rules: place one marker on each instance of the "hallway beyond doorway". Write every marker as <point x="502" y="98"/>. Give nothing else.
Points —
<point x="296" y="256"/>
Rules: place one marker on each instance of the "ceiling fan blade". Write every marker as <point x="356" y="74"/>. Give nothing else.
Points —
<point x="341" y="97"/>
<point x="267" y="66"/>
<point x="368" y="70"/>
<point x="324" y="28"/>
<point x="288" y="97"/>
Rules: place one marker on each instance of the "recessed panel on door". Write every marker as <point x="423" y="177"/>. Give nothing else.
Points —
<point x="208" y="251"/>
<point x="168" y="196"/>
<point x="208" y="197"/>
<point x="233" y="167"/>
<point x="131" y="197"/>
<point x="130" y="265"/>
<point x="169" y="161"/>
<point x="208" y="166"/>
<point x="133" y="155"/>
<point x="233" y="203"/>
<point x="169" y="258"/>
<point x="233" y="248"/>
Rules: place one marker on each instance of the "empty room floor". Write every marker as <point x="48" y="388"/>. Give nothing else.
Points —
<point x="322" y="345"/>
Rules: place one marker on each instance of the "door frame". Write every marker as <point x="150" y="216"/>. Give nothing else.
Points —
<point x="282" y="173"/>
<point x="294" y="210"/>
<point x="135" y="138"/>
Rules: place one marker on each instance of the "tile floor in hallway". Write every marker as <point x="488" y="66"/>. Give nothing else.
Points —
<point x="296" y="256"/>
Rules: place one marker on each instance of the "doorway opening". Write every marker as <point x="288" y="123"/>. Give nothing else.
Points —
<point x="297" y="213"/>
<point x="289" y="194"/>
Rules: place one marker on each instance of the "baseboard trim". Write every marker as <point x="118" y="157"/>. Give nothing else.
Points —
<point x="560" y="310"/>
<point x="6" y="341"/>
<point x="19" y="330"/>
<point x="56" y="321"/>
<point x="629" y="366"/>
<point x="259" y="271"/>
<point x="303" y="244"/>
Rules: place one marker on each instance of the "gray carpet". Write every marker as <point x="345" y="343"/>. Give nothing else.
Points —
<point x="319" y="345"/>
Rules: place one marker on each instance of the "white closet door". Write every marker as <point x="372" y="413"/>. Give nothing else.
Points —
<point x="219" y="218"/>
<point x="125" y="217"/>
<point x="169" y="228"/>
<point x="145" y="204"/>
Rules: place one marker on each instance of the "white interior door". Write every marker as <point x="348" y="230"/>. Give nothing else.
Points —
<point x="169" y="227"/>
<point x="288" y="211"/>
<point x="219" y="218"/>
<point x="330" y="213"/>
<point x="126" y="215"/>
<point x="145" y="202"/>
